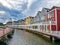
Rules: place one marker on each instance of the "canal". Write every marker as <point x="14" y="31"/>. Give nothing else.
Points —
<point x="22" y="37"/>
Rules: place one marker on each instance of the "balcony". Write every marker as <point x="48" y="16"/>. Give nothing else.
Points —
<point x="52" y="22"/>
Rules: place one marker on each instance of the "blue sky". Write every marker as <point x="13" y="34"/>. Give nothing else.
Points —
<point x="19" y="9"/>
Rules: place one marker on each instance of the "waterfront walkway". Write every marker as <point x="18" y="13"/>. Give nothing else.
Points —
<point x="47" y="32"/>
<point x="54" y="36"/>
<point x="51" y="33"/>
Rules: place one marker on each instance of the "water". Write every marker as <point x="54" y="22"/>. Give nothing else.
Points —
<point x="25" y="38"/>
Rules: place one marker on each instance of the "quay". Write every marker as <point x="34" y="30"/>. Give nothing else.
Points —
<point x="5" y="33"/>
<point x="52" y="36"/>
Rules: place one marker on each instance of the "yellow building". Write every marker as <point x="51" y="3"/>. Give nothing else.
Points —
<point x="29" y="20"/>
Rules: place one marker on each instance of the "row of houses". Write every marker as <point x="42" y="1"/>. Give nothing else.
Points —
<point x="19" y="22"/>
<point x="42" y="16"/>
<point x="46" y="16"/>
<point x="47" y="19"/>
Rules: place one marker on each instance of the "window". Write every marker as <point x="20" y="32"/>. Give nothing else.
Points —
<point x="51" y="16"/>
<point x="40" y="27"/>
<point x="36" y="27"/>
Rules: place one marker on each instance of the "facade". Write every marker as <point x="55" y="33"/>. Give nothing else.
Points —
<point x="29" y="20"/>
<point x="19" y="22"/>
<point x="51" y="23"/>
<point x="16" y="22"/>
<point x="53" y="17"/>
<point x="37" y="17"/>
<point x="10" y="23"/>
<point x="22" y="22"/>
<point x="41" y="17"/>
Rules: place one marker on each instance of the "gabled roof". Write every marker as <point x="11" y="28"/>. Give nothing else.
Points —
<point x="38" y="12"/>
<point x="30" y="17"/>
<point x="54" y="7"/>
<point x="46" y="9"/>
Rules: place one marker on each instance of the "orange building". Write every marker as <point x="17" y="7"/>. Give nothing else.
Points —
<point x="29" y="20"/>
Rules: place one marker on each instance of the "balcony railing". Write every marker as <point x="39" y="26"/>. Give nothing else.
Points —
<point x="52" y="22"/>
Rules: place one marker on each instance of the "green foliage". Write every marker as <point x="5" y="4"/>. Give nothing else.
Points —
<point x="1" y="24"/>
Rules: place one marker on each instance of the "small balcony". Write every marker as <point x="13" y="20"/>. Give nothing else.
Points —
<point x="52" y="22"/>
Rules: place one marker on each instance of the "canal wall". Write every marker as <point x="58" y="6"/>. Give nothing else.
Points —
<point x="46" y="36"/>
<point x="5" y="34"/>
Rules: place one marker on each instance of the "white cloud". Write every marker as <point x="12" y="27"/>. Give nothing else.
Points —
<point x="30" y="2"/>
<point x="5" y="3"/>
<point x="6" y="21"/>
<point x="50" y="3"/>
<point x="26" y="12"/>
<point x="15" y="4"/>
<point x="2" y="12"/>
